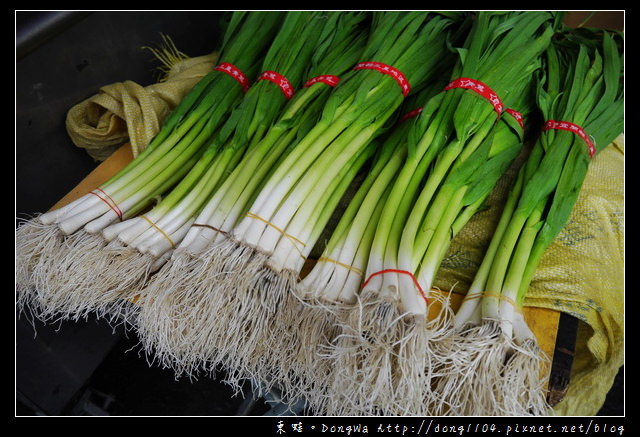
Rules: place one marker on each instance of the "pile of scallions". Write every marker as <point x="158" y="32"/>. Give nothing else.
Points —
<point x="287" y="225"/>
<point x="183" y="323"/>
<point x="237" y="307"/>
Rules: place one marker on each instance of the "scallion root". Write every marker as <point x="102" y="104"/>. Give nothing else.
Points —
<point x="525" y="379"/>
<point x="33" y="239"/>
<point x="315" y="327"/>
<point x="488" y="374"/>
<point x="379" y="358"/>
<point x="60" y="274"/>
<point x="466" y="381"/>
<point x="165" y="308"/>
<point x="255" y="291"/>
<point x="91" y="277"/>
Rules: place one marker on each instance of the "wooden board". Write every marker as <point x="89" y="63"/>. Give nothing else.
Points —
<point x="99" y="175"/>
<point x="543" y="322"/>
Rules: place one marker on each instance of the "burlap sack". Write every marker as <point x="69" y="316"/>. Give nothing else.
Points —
<point x="128" y="112"/>
<point x="581" y="273"/>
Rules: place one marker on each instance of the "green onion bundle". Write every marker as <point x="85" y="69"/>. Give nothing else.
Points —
<point x="154" y="236"/>
<point x="297" y="200"/>
<point x="458" y="147"/>
<point x="181" y="321"/>
<point x="257" y="258"/>
<point x="332" y="283"/>
<point x="499" y="368"/>
<point x="85" y="258"/>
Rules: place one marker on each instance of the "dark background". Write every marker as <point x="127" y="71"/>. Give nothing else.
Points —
<point x="89" y="368"/>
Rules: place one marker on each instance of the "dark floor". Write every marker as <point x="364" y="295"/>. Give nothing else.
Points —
<point x="124" y="383"/>
<point x="614" y="403"/>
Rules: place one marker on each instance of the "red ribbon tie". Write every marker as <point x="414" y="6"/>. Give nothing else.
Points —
<point x="389" y="70"/>
<point x="571" y="127"/>
<point x="234" y="72"/>
<point x="279" y="80"/>
<point x="328" y="79"/>
<point x="479" y="88"/>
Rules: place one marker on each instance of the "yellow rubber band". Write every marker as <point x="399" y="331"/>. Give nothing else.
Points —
<point x="346" y="266"/>
<point x="159" y="230"/>
<point x="512" y="302"/>
<point x="473" y="296"/>
<point x="492" y="294"/>
<point x="498" y="296"/>
<point x="213" y="228"/>
<point x="290" y="237"/>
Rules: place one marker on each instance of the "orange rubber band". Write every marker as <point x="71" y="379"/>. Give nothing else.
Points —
<point x="204" y="225"/>
<point x="404" y="272"/>
<point x="474" y="296"/>
<point x="112" y="204"/>
<point x="498" y="296"/>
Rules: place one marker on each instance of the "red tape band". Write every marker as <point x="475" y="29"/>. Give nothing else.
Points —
<point x="479" y="88"/>
<point x="387" y="69"/>
<point x="571" y="127"/>
<point x="404" y="272"/>
<point x="411" y="114"/>
<point x="112" y="204"/>
<point x="279" y="80"/>
<point x="517" y="116"/>
<point x="329" y="79"/>
<point x="234" y="72"/>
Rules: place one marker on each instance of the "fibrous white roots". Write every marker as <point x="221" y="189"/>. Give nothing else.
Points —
<point x="489" y="374"/>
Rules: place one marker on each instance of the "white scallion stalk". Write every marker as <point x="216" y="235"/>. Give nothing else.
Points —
<point x="234" y="272"/>
<point x="332" y="284"/>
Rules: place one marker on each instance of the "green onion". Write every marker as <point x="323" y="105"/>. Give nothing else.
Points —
<point x="245" y="127"/>
<point x="581" y="84"/>
<point x="54" y="249"/>
<point x="333" y="282"/>
<point x="201" y="242"/>
<point x="457" y="143"/>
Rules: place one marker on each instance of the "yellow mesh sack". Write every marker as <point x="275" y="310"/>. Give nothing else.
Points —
<point x="129" y="112"/>
<point x="581" y="274"/>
